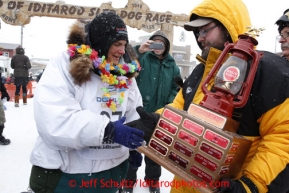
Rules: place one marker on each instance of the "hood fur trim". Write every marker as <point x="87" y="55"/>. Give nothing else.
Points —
<point x="80" y="65"/>
<point x="80" y="68"/>
<point x="77" y="33"/>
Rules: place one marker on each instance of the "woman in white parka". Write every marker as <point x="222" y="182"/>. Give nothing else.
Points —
<point x="80" y="104"/>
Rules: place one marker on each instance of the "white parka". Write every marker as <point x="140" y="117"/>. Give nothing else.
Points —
<point x="71" y="120"/>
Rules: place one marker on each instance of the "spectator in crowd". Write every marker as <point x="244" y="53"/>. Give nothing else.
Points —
<point x="4" y="99"/>
<point x="264" y="119"/>
<point x="82" y="99"/>
<point x="4" y="96"/>
<point x="3" y="78"/>
<point x="21" y="65"/>
<point x="10" y="79"/>
<point x="283" y="29"/>
<point x="158" y="88"/>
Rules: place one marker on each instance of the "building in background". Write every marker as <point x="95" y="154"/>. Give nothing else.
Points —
<point x="181" y="54"/>
<point x="37" y="66"/>
<point x="9" y="50"/>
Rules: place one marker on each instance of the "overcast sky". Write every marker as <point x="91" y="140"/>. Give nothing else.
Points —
<point x="45" y="36"/>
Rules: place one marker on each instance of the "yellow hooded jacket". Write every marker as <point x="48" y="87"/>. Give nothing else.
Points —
<point x="269" y="153"/>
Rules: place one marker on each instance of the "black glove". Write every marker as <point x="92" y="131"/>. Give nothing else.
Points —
<point x="231" y="186"/>
<point x="135" y="159"/>
<point x="179" y="81"/>
<point x="119" y="133"/>
<point x="5" y="94"/>
<point x="146" y="123"/>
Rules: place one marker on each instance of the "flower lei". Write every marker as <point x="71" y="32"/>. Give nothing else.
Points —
<point x="118" y="81"/>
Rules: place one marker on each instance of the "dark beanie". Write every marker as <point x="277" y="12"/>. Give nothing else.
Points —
<point x="105" y="29"/>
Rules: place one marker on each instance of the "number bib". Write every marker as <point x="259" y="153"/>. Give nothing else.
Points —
<point x="106" y="151"/>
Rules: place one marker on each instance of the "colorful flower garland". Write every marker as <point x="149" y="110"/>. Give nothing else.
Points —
<point x="118" y="81"/>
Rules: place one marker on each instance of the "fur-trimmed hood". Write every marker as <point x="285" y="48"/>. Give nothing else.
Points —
<point x="77" y="32"/>
<point x="81" y="65"/>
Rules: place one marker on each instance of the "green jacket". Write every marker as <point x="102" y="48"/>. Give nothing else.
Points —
<point x="156" y="80"/>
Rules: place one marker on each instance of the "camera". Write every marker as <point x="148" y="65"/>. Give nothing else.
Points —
<point x="157" y="45"/>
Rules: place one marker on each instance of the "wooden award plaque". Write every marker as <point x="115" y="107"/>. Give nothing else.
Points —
<point x="199" y="146"/>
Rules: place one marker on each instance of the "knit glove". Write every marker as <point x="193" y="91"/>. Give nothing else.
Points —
<point x="135" y="159"/>
<point x="119" y="133"/>
<point x="231" y="186"/>
<point x="146" y="123"/>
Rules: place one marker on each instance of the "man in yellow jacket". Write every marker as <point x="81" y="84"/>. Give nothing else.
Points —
<point x="264" y="119"/>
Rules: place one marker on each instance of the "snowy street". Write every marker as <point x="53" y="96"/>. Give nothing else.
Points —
<point x="15" y="167"/>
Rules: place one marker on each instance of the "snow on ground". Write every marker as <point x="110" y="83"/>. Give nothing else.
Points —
<point x="15" y="167"/>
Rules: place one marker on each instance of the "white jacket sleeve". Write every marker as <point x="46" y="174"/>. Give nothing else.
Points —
<point x="60" y="120"/>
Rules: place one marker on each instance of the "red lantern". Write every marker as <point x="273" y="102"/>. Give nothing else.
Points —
<point x="233" y="81"/>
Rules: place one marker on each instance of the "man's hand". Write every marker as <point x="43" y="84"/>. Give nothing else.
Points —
<point x="146" y="123"/>
<point x="135" y="159"/>
<point x="231" y="186"/>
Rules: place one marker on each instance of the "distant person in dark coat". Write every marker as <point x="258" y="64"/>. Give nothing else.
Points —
<point x="4" y="94"/>
<point x="21" y="64"/>
<point x="3" y="78"/>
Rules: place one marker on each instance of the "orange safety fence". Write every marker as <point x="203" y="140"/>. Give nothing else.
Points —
<point x="11" y="90"/>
